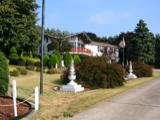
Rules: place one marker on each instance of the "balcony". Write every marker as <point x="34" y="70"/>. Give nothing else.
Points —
<point x="83" y="51"/>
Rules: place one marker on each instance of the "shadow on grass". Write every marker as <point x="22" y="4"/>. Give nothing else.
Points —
<point x="57" y="82"/>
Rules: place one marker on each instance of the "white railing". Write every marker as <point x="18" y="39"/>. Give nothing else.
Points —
<point x="14" y="93"/>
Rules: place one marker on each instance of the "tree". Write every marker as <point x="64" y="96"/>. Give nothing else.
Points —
<point x="68" y="58"/>
<point x="13" y="56"/>
<point x="142" y="44"/>
<point x="18" y="26"/>
<point x="53" y="60"/>
<point x="4" y="73"/>
<point x="157" y="51"/>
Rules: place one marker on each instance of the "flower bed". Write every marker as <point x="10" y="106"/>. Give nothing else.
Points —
<point x="7" y="113"/>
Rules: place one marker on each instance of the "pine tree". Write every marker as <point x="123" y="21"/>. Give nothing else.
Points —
<point x="142" y="44"/>
<point x="157" y="51"/>
<point x="18" y="26"/>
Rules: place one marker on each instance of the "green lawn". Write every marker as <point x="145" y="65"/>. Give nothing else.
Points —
<point x="57" y="105"/>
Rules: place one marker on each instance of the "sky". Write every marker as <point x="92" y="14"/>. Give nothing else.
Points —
<point x="102" y="17"/>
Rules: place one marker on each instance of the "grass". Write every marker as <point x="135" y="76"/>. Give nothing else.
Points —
<point x="57" y="105"/>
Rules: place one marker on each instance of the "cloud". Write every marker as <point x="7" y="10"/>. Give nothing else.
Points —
<point x="106" y="18"/>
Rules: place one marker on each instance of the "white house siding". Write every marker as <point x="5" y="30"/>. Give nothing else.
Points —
<point x="94" y="49"/>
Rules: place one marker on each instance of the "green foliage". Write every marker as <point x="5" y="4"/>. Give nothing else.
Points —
<point x="142" y="70"/>
<point x="96" y="73"/>
<point x="67" y="114"/>
<point x="58" y="54"/>
<point x="15" y="73"/>
<point x="30" y="67"/>
<point x="53" y="60"/>
<point x="22" y="71"/>
<point x="67" y="59"/>
<point x="31" y="61"/>
<point x="45" y="60"/>
<point x="4" y="73"/>
<point x="77" y="59"/>
<point x="18" y="26"/>
<point x="53" y="71"/>
<point x="13" y="56"/>
<point x="157" y="51"/>
<point x="142" y="44"/>
<point x="21" y="61"/>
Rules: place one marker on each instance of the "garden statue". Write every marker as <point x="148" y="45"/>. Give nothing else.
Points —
<point x="72" y="86"/>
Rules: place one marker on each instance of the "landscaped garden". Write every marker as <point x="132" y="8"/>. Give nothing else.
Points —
<point x="57" y="105"/>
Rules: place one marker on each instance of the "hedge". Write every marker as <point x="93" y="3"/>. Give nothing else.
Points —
<point x="97" y="73"/>
<point x="4" y="73"/>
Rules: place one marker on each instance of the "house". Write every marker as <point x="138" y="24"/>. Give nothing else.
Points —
<point x="84" y="45"/>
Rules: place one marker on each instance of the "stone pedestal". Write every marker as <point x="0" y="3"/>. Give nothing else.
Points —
<point x="130" y="74"/>
<point x="72" y="86"/>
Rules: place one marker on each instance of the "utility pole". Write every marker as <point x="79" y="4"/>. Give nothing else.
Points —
<point x="42" y="40"/>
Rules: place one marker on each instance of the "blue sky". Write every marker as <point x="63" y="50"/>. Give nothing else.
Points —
<point x="103" y="17"/>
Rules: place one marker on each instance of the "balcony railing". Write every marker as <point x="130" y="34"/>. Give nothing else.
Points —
<point x="83" y="51"/>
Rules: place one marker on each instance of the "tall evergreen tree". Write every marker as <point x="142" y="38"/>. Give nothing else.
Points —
<point x="18" y="25"/>
<point x="157" y="51"/>
<point x="142" y="44"/>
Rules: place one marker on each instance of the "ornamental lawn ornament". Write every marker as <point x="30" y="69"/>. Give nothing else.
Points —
<point x="72" y="86"/>
<point x="130" y="74"/>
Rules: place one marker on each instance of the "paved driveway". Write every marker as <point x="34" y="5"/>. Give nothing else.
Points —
<point x="141" y="103"/>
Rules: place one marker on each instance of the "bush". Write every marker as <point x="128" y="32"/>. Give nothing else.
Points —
<point x="53" y="60"/>
<point x="67" y="59"/>
<point x="13" y="56"/>
<point x="142" y="70"/>
<point x="32" y="61"/>
<point x="53" y="71"/>
<point x="30" y="67"/>
<point x="29" y="62"/>
<point x="22" y="71"/>
<point x="58" y="54"/>
<point x="45" y="60"/>
<point x="77" y="59"/>
<point x="4" y="73"/>
<point x="96" y="73"/>
<point x="21" y="61"/>
<point x="37" y="64"/>
<point x="15" y="73"/>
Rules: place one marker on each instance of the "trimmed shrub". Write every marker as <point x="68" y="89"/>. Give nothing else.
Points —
<point x="4" y="73"/>
<point x="52" y="61"/>
<point x="37" y="64"/>
<point x="97" y="73"/>
<point x="15" y="73"/>
<point x="22" y="71"/>
<point x="13" y="56"/>
<point x="53" y="71"/>
<point x="29" y="62"/>
<point x="67" y="59"/>
<point x="45" y="60"/>
<point x="21" y="61"/>
<point x="142" y="70"/>
<point x="57" y="53"/>
<point x="77" y="59"/>
<point x="30" y="68"/>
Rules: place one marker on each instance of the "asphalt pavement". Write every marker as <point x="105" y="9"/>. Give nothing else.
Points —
<point x="140" y="103"/>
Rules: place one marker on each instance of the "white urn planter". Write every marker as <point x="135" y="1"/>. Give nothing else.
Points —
<point x="130" y="74"/>
<point x="72" y="86"/>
